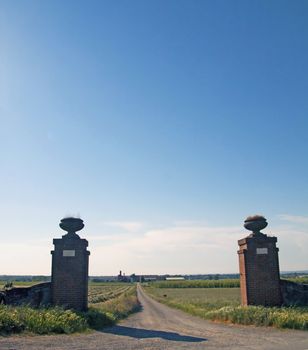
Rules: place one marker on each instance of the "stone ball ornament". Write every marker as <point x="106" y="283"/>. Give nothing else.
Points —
<point x="71" y="225"/>
<point x="255" y="223"/>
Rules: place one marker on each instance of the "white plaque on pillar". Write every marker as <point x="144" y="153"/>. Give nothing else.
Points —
<point x="262" y="251"/>
<point x="68" y="252"/>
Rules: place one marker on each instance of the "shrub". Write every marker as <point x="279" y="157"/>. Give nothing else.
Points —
<point x="97" y="319"/>
<point x="40" y="321"/>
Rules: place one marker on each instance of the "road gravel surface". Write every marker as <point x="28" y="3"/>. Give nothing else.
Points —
<point x="157" y="326"/>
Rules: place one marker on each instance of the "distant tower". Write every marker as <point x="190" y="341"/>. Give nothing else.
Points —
<point x="70" y="260"/>
<point x="120" y="276"/>
<point x="259" y="266"/>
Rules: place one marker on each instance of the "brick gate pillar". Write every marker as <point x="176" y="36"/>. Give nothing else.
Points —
<point x="259" y="266"/>
<point x="70" y="260"/>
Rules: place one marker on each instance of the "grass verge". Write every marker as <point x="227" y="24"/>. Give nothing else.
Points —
<point x="113" y="310"/>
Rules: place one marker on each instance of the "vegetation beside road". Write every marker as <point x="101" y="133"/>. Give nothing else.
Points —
<point x="108" y="303"/>
<point x="223" y="304"/>
<point x="16" y="319"/>
<point x="114" y="309"/>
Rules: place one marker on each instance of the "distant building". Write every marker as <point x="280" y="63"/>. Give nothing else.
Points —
<point x="133" y="278"/>
<point x="122" y="278"/>
<point x="175" y="278"/>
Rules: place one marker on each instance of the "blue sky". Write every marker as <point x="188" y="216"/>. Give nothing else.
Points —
<point x="163" y="124"/>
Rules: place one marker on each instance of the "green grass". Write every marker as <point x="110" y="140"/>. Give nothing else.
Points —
<point x="40" y="321"/>
<point x="205" y="298"/>
<point x="303" y="279"/>
<point x="223" y="304"/>
<point x="18" y="284"/>
<point x="119" y="301"/>
<point x="223" y="283"/>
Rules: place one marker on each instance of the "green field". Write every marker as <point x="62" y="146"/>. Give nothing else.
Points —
<point x="18" y="284"/>
<point x="196" y="301"/>
<point x="223" y="304"/>
<point x="108" y="303"/>
<point x="223" y="283"/>
<point x="303" y="279"/>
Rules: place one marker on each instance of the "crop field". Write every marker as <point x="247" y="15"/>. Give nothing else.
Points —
<point x="102" y="292"/>
<point x="207" y="298"/>
<point x="223" y="304"/>
<point x="223" y="283"/>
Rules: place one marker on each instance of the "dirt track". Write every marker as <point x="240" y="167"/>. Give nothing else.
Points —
<point x="159" y="327"/>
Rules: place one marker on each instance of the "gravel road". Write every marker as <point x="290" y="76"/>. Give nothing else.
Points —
<point x="159" y="327"/>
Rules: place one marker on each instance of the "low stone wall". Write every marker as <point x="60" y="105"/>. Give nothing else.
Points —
<point x="294" y="294"/>
<point x="37" y="295"/>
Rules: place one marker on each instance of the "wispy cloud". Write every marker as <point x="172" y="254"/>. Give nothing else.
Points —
<point x="297" y="219"/>
<point x="189" y="223"/>
<point x="189" y="247"/>
<point x="174" y="249"/>
<point x="131" y="226"/>
<point x="180" y="247"/>
<point x="109" y="238"/>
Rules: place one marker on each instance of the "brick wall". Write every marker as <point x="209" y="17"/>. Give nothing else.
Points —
<point x="294" y="294"/>
<point x="70" y="273"/>
<point x="259" y="271"/>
